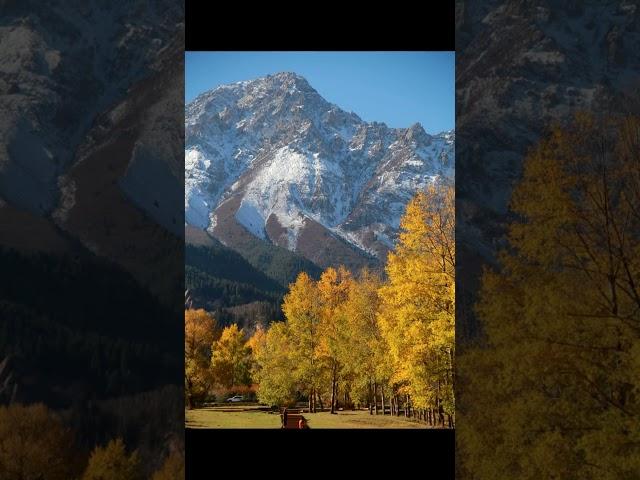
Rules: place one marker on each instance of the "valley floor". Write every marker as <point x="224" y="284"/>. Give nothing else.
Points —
<point x="252" y="417"/>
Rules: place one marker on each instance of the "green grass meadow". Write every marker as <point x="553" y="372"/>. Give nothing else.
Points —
<point x="252" y="417"/>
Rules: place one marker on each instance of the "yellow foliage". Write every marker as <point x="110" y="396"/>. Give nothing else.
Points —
<point x="112" y="463"/>
<point x="257" y="339"/>
<point x="363" y="337"/>
<point x="199" y="333"/>
<point x="274" y="362"/>
<point x="554" y="391"/>
<point x="302" y="310"/>
<point x="172" y="468"/>
<point x="35" y="444"/>
<point x="417" y="314"/>
<point x="231" y="358"/>
<point x="364" y="354"/>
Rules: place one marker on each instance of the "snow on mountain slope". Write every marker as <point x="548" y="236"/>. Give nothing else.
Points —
<point x="287" y="161"/>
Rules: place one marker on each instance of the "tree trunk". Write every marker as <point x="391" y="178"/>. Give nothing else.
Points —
<point x="310" y="402"/>
<point x="333" y="390"/>
<point x="382" y="397"/>
<point x="320" y="400"/>
<point x="375" y="397"/>
<point x="452" y="368"/>
<point x="313" y="396"/>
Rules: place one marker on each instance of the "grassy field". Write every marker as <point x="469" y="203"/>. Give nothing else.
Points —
<point x="231" y="417"/>
<point x="358" y="419"/>
<point x="248" y="417"/>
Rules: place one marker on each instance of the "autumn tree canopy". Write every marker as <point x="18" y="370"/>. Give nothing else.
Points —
<point x="360" y="339"/>
<point x="352" y="339"/>
<point x="272" y="369"/>
<point x="35" y="444"/>
<point x="172" y="468"/>
<point x="200" y="331"/>
<point x="231" y="358"/>
<point x="554" y="391"/>
<point x="417" y="315"/>
<point x="112" y="462"/>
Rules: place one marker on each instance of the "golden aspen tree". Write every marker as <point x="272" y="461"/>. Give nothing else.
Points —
<point x="273" y="365"/>
<point x="364" y="355"/>
<point x="34" y="443"/>
<point x="256" y="341"/>
<point x="333" y="288"/>
<point x="301" y="308"/>
<point x="417" y="314"/>
<point x="199" y="333"/>
<point x="554" y="390"/>
<point x="112" y="462"/>
<point x="172" y="468"/>
<point x="231" y="358"/>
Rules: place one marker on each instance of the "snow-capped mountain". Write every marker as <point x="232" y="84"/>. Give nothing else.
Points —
<point x="274" y="157"/>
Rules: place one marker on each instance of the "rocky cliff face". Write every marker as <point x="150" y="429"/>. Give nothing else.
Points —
<point x="91" y="136"/>
<point x="62" y="63"/>
<point x="272" y="157"/>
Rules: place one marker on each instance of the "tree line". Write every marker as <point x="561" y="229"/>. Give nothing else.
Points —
<point x="351" y="340"/>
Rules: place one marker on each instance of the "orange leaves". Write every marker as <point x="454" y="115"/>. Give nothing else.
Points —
<point x="199" y="332"/>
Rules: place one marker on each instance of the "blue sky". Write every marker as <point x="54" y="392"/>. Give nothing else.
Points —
<point x="397" y="88"/>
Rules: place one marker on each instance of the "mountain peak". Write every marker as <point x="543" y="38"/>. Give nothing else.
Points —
<point x="417" y="133"/>
<point x="288" y="80"/>
<point x="287" y="76"/>
<point x="417" y="128"/>
<point x="274" y="160"/>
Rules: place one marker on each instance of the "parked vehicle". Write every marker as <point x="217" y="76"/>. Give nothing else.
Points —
<point x="235" y="398"/>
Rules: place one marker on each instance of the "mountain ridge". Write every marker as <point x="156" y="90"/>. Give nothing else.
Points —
<point x="273" y="156"/>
